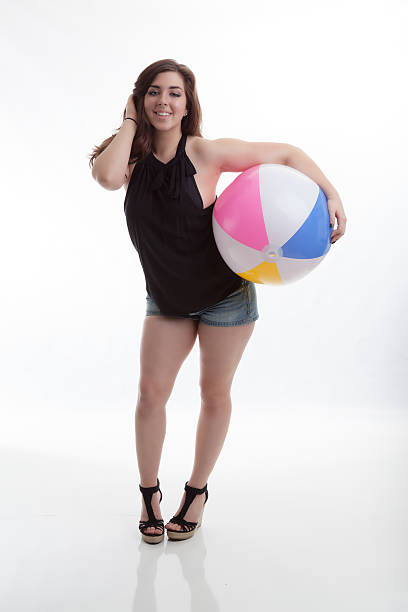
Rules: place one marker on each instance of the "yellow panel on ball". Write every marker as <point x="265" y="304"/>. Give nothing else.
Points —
<point x="266" y="273"/>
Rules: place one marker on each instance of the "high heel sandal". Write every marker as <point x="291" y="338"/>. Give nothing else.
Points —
<point x="151" y="538"/>
<point x="189" y="527"/>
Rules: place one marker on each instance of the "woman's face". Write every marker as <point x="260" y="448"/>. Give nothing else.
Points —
<point x="166" y="94"/>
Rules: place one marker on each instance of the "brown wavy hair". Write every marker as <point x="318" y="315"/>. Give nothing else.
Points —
<point x="143" y="139"/>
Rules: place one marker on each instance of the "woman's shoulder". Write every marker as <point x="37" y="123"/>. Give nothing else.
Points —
<point x="200" y="146"/>
<point x="203" y="150"/>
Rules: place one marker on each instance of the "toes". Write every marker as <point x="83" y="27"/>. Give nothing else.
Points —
<point x="174" y="526"/>
<point x="152" y="530"/>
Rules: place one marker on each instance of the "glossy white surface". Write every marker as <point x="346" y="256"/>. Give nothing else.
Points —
<point x="329" y="531"/>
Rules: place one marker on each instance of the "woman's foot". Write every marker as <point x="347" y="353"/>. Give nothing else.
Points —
<point x="156" y="509"/>
<point x="192" y="513"/>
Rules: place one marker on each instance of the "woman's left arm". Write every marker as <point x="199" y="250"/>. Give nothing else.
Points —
<point x="234" y="155"/>
<point x="300" y="161"/>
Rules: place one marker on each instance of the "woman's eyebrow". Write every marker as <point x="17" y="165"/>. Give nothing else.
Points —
<point x="171" y="87"/>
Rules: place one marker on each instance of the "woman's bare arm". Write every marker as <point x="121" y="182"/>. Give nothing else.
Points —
<point x="234" y="155"/>
<point x="110" y="166"/>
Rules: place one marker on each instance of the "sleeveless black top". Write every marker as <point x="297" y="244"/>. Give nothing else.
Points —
<point x="173" y="236"/>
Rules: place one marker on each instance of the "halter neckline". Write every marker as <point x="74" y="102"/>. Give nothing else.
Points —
<point x="180" y="149"/>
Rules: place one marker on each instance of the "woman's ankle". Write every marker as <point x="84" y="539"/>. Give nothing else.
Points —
<point x="148" y="483"/>
<point x="196" y="484"/>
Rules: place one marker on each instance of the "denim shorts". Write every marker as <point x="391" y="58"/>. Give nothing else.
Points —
<point x="238" y="308"/>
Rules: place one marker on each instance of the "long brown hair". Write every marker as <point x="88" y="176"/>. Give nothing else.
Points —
<point x="142" y="141"/>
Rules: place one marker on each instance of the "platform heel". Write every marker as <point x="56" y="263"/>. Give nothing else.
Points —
<point x="189" y="527"/>
<point x="151" y="538"/>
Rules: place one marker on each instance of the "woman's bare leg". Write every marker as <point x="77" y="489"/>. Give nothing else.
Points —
<point x="165" y="344"/>
<point x="221" y="349"/>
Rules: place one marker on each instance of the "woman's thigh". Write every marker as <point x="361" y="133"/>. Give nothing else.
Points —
<point x="165" y="344"/>
<point x="221" y="349"/>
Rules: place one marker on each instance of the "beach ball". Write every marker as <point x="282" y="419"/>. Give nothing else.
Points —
<point x="271" y="224"/>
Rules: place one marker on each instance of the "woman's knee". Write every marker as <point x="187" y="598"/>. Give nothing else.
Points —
<point x="215" y="397"/>
<point x="165" y="345"/>
<point x="153" y="395"/>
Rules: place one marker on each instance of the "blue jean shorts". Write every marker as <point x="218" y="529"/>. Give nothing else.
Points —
<point x="238" y="308"/>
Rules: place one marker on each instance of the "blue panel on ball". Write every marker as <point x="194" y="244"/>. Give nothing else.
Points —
<point x="313" y="238"/>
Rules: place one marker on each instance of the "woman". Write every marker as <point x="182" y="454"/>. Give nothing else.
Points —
<point x="170" y="173"/>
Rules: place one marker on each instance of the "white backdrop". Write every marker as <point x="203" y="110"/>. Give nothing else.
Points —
<point x="328" y="77"/>
<point x="325" y="77"/>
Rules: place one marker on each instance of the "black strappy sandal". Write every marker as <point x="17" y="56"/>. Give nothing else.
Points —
<point x="189" y="527"/>
<point x="151" y="538"/>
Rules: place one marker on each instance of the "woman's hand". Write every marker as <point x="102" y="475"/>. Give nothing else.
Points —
<point x="336" y="210"/>
<point x="130" y="108"/>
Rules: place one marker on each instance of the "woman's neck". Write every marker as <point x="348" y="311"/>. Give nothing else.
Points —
<point x="165" y="144"/>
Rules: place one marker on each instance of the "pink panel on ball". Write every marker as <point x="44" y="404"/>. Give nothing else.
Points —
<point x="238" y="210"/>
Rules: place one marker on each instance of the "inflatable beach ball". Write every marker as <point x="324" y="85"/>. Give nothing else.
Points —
<point x="271" y="224"/>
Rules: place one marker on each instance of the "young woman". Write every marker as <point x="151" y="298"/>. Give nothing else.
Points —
<point x="170" y="173"/>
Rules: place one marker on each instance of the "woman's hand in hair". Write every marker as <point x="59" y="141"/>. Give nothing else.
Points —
<point x="130" y="108"/>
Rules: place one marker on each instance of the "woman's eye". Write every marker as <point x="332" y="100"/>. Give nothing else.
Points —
<point x="174" y="94"/>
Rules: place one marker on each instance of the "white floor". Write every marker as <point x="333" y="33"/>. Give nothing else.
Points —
<point x="307" y="511"/>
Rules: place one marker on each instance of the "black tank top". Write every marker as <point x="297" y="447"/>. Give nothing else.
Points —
<point x="173" y="236"/>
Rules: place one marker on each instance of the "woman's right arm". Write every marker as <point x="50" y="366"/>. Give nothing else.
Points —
<point x="110" y="166"/>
